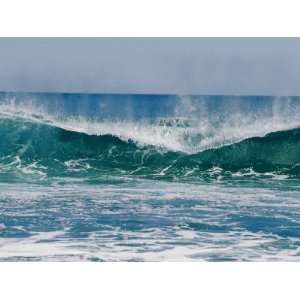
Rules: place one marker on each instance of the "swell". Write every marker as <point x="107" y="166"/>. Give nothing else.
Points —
<point x="31" y="149"/>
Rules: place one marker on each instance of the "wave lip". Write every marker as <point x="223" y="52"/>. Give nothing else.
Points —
<point x="181" y="124"/>
<point x="40" y="147"/>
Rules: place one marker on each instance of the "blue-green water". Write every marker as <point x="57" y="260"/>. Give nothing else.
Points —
<point x="149" y="177"/>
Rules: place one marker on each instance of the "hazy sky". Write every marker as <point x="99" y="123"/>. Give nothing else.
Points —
<point x="151" y="65"/>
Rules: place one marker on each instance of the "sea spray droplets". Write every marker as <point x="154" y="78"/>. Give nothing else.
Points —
<point x="190" y="126"/>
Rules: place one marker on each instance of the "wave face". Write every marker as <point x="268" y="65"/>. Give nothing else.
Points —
<point x="195" y="138"/>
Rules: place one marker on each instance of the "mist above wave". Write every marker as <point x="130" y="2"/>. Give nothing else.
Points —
<point x="185" y="124"/>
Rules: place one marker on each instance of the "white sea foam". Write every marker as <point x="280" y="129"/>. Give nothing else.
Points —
<point x="208" y="204"/>
<point x="188" y="130"/>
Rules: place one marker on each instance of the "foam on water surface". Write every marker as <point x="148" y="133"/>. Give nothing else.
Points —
<point x="149" y="178"/>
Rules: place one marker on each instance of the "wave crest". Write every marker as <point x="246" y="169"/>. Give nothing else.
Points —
<point x="42" y="148"/>
<point x="191" y="128"/>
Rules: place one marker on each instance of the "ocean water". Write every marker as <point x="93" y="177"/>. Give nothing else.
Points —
<point x="149" y="177"/>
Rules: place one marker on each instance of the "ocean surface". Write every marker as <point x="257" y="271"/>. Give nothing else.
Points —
<point x="92" y="177"/>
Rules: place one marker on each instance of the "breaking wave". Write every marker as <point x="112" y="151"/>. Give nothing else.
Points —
<point x="29" y="148"/>
<point x="191" y="142"/>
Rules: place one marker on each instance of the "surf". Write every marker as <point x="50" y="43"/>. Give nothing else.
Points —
<point x="60" y="151"/>
<point x="186" y="139"/>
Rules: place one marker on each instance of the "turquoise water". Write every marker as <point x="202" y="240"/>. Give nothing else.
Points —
<point x="149" y="177"/>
